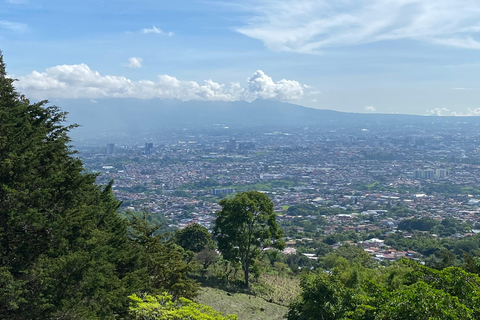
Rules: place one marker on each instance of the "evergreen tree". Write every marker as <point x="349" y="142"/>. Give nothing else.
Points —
<point x="64" y="251"/>
<point x="162" y="261"/>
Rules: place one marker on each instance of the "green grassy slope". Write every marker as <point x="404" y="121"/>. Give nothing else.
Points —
<point x="245" y="306"/>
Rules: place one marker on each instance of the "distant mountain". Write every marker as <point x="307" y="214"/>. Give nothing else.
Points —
<point x="132" y="115"/>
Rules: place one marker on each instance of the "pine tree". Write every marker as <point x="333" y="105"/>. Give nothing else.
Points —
<point x="64" y="251"/>
<point x="162" y="261"/>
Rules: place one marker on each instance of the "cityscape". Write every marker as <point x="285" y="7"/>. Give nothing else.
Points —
<point x="361" y="173"/>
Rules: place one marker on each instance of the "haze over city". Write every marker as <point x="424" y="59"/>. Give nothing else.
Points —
<point x="410" y="57"/>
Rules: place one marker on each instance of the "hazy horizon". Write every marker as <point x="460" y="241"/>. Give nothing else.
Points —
<point x="407" y="57"/>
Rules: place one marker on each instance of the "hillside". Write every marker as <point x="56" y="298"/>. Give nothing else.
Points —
<point x="244" y="305"/>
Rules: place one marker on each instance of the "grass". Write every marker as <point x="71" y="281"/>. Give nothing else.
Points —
<point x="245" y="306"/>
<point x="281" y="290"/>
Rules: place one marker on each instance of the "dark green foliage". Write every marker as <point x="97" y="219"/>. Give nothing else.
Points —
<point x="405" y="290"/>
<point x="423" y="224"/>
<point x="244" y="226"/>
<point x="64" y="251"/>
<point x="303" y="209"/>
<point x="194" y="237"/>
<point x="352" y="254"/>
<point x="162" y="261"/>
<point x="323" y="298"/>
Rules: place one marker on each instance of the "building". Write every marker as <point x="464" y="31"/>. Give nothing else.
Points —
<point x="110" y="150"/>
<point x="244" y="146"/>
<point x="430" y="174"/>
<point x="148" y="148"/>
<point x="222" y="191"/>
<point x="440" y="173"/>
<point x="231" y="145"/>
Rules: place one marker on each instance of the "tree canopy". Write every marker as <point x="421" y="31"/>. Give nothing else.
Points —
<point x="405" y="290"/>
<point x="65" y="252"/>
<point x="194" y="237"/>
<point x="245" y="225"/>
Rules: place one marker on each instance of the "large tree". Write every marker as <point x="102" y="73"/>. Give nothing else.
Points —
<point x="245" y="225"/>
<point x="64" y="251"/>
<point x="194" y="237"/>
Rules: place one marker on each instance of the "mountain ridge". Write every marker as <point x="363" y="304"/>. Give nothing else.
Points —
<point x="130" y="115"/>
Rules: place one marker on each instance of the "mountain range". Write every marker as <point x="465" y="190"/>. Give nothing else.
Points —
<point x="133" y="115"/>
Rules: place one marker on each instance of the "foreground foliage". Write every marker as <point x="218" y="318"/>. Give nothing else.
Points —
<point x="165" y="308"/>
<point x="65" y="252"/>
<point x="403" y="291"/>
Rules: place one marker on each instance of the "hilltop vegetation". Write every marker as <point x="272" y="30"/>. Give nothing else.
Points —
<point x="65" y="252"/>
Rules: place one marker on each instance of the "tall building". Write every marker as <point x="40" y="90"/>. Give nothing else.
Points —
<point x="440" y="173"/>
<point x="430" y="174"/>
<point x="148" y="148"/>
<point x="232" y="145"/>
<point x="222" y="191"/>
<point x="110" y="149"/>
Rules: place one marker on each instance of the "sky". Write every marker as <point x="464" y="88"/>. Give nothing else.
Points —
<point x="375" y="56"/>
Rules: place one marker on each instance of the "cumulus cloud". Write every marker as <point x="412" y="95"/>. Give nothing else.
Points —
<point x="447" y="112"/>
<point x="470" y="112"/>
<point x="308" y="26"/>
<point x="370" y="109"/>
<point x="262" y="86"/>
<point x="439" y="112"/>
<point x="79" y="81"/>
<point x="156" y="30"/>
<point x="134" y="62"/>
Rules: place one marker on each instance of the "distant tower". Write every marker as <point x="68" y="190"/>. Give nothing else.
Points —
<point x="440" y="173"/>
<point x="110" y="149"/>
<point x="232" y="145"/>
<point x="429" y="174"/>
<point x="148" y="148"/>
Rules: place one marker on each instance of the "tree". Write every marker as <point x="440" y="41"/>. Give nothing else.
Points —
<point x="64" y="250"/>
<point x="162" y="261"/>
<point x="194" y="237"/>
<point x="404" y="290"/>
<point x="323" y="297"/>
<point x="245" y="225"/>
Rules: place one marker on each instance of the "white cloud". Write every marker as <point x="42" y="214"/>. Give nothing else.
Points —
<point x="262" y="86"/>
<point x="79" y="81"/>
<point x="439" y="112"/>
<point x="447" y="112"/>
<point x="134" y="62"/>
<point x="470" y="112"/>
<point x="156" y="30"/>
<point x="308" y="26"/>
<point x="370" y="109"/>
<point x="13" y="26"/>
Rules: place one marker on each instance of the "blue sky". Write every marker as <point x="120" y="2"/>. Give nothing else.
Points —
<point x="388" y="56"/>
